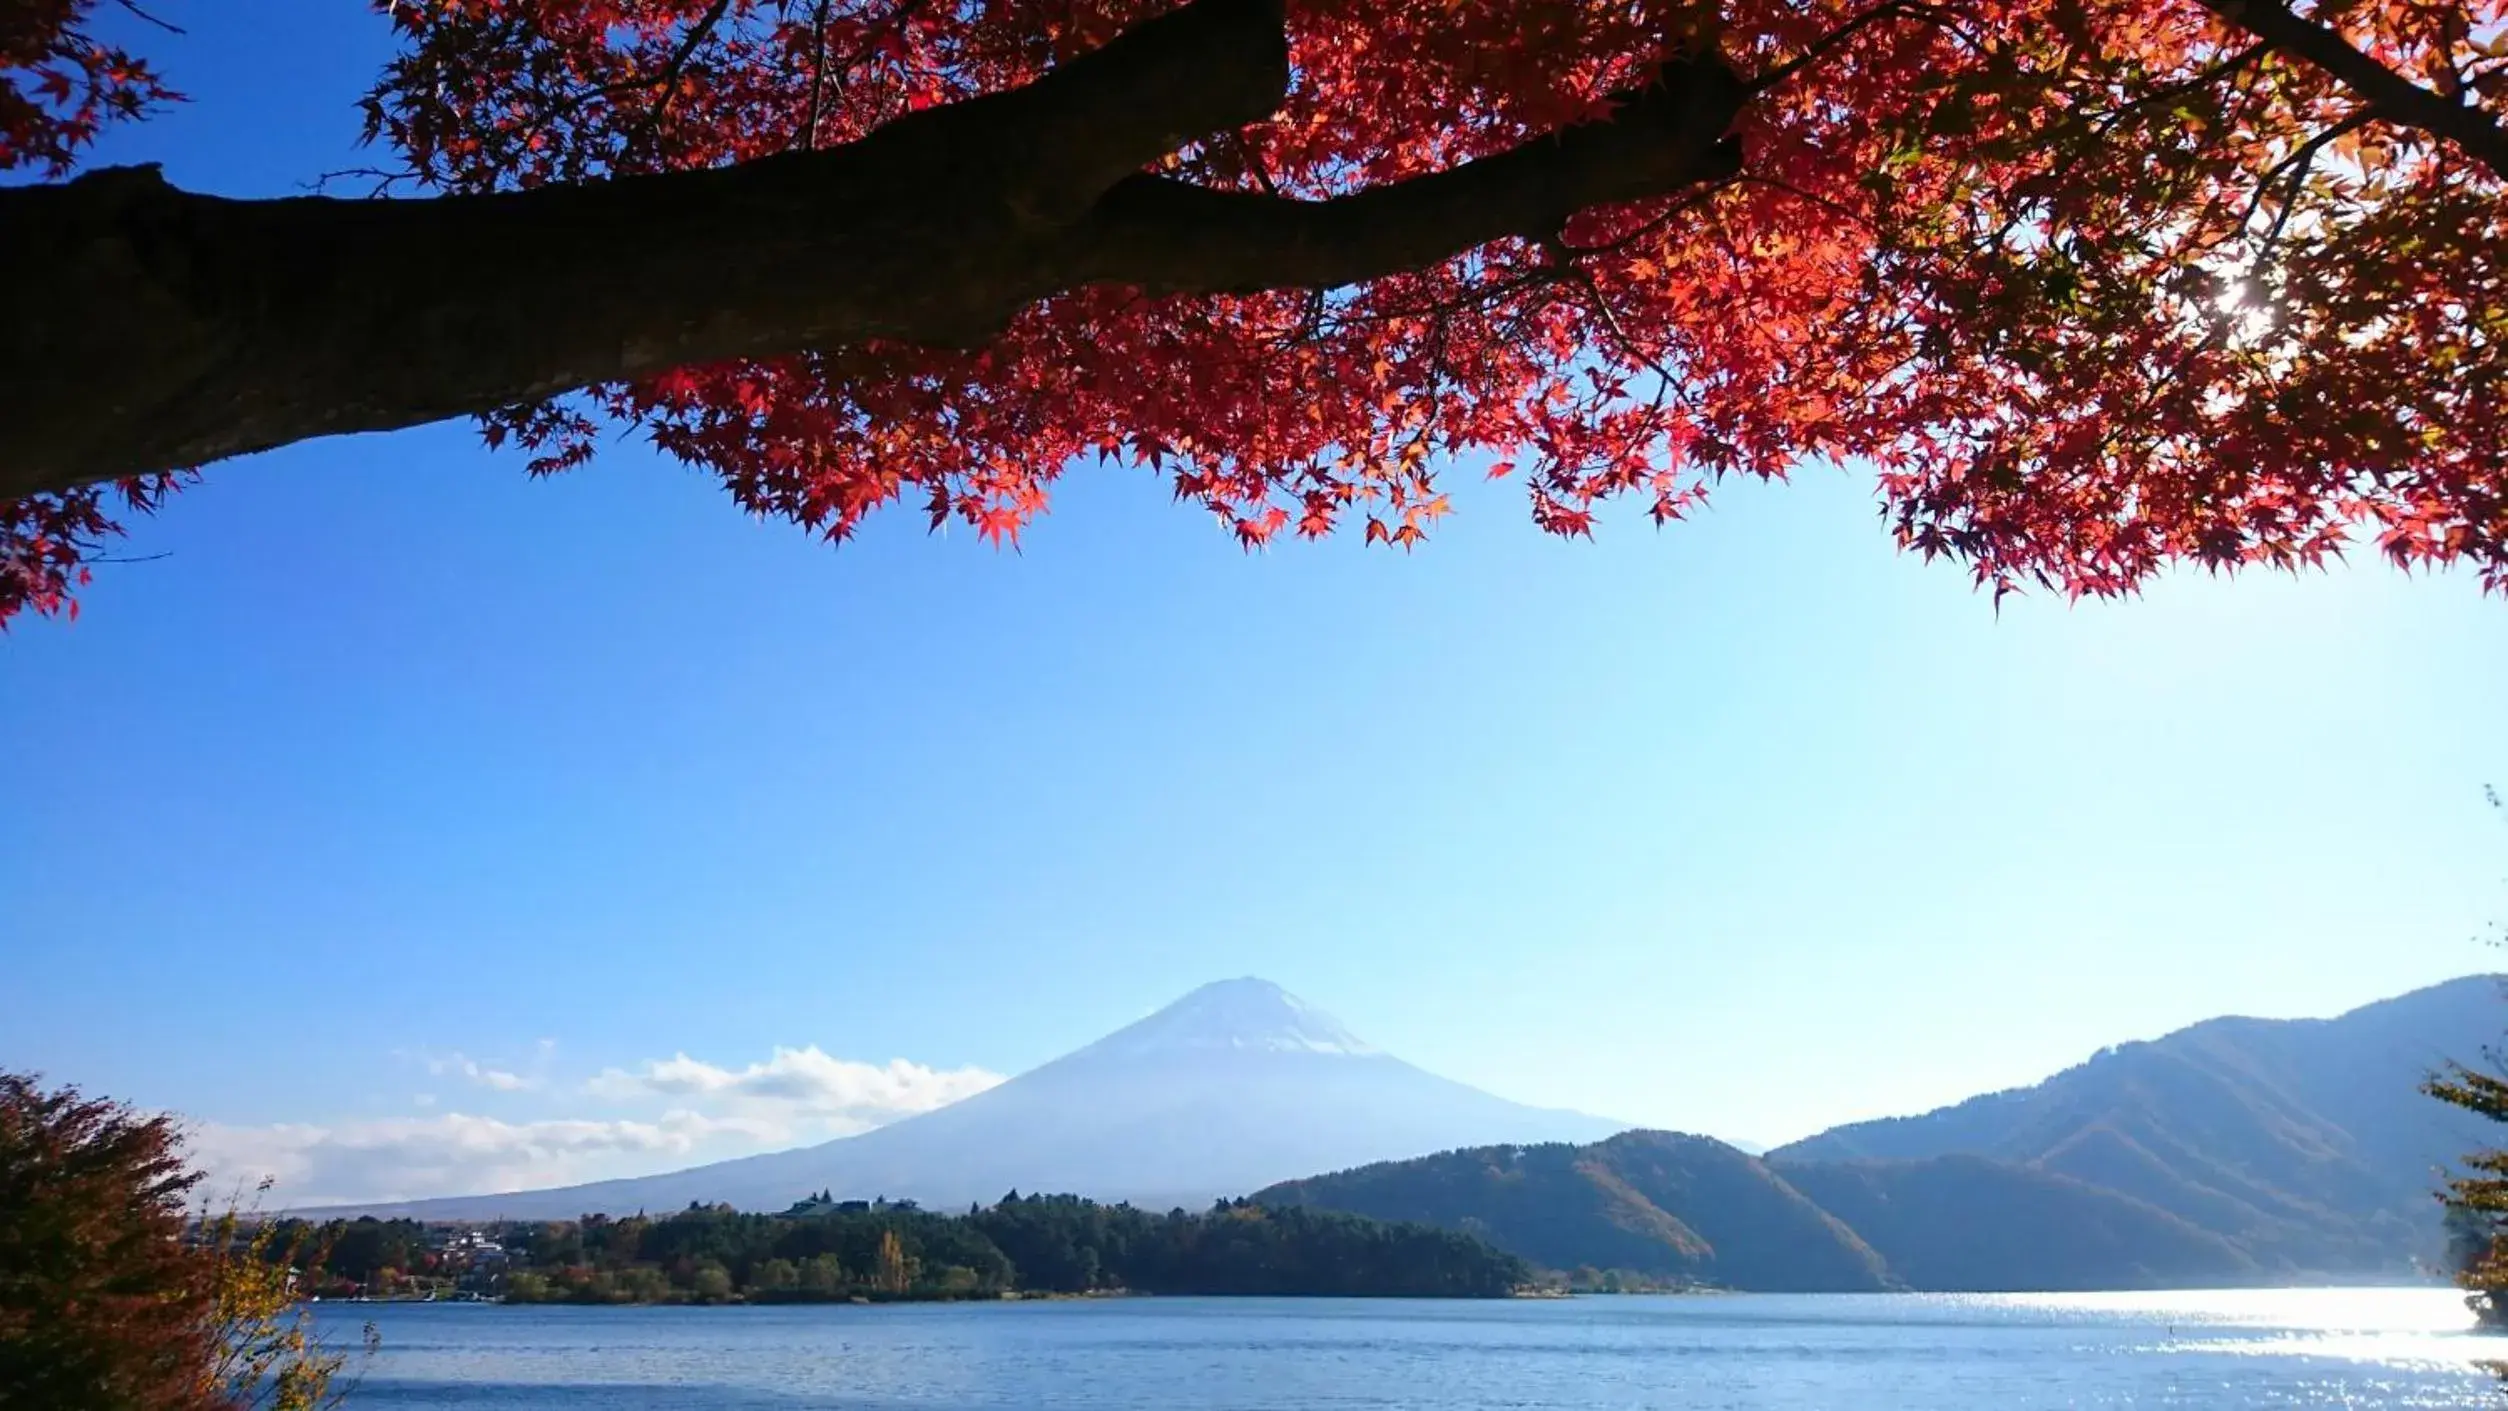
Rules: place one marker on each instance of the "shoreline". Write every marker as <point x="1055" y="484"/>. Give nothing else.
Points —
<point x="1012" y="1296"/>
<point x="1536" y="1295"/>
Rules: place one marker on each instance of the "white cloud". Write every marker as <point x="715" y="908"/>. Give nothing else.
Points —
<point x="409" y="1158"/>
<point x="501" y="1079"/>
<point x="683" y="1111"/>
<point x="800" y="1083"/>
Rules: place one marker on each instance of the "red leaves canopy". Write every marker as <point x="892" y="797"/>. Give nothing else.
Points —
<point x="2096" y="285"/>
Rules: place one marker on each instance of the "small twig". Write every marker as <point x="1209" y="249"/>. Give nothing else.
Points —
<point x="2297" y="165"/>
<point x="384" y="180"/>
<point x="668" y="79"/>
<point x="1601" y="304"/>
<point x="133" y="7"/>
<point x="818" y="76"/>
<point x="2223" y="69"/>
<point x="2097" y="132"/>
<point x="1836" y="208"/>
<point x="1829" y="43"/>
<point x="904" y="14"/>
<point x="1254" y="163"/>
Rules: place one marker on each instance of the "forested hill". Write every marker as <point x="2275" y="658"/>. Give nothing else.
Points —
<point x="1668" y="1207"/>
<point x="828" y="1251"/>
<point x="1656" y="1204"/>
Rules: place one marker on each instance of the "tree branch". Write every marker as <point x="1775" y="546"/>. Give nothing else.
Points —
<point x="2391" y="96"/>
<point x="167" y="329"/>
<point x="1169" y="236"/>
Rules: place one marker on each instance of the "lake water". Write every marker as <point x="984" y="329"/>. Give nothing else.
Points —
<point x="2309" y="1347"/>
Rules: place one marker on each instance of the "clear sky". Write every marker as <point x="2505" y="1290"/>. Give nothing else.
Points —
<point x="408" y="807"/>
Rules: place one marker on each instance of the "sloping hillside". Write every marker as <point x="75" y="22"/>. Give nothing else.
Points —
<point x="2303" y="1140"/>
<point x="1683" y="1207"/>
<point x="1966" y="1224"/>
<point x="1655" y="1203"/>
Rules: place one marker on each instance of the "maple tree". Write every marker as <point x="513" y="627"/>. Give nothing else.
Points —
<point x="2095" y="285"/>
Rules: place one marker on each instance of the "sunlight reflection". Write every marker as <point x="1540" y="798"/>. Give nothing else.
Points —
<point x="2365" y="1310"/>
<point x="2426" y="1329"/>
<point x="2427" y="1352"/>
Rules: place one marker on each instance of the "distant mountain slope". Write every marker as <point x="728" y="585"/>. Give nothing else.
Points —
<point x="1235" y="1086"/>
<point x="2303" y="1140"/>
<point x="1657" y="1203"/>
<point x="1966" y="1224"/>
<point x="1684" y="1207"/>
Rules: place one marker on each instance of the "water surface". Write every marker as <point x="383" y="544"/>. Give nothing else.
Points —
<point x="2222" y="1351"/>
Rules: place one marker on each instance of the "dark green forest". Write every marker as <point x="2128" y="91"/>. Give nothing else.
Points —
<point x="823" y="1251"/>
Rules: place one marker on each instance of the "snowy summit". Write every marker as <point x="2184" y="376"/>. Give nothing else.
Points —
<point x="1247" y="1015"/>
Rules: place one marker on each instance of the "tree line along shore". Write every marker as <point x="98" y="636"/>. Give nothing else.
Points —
<point x="825" y="1250"/>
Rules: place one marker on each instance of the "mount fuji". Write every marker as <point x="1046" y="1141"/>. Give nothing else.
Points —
<point x="1236" y="1086"/>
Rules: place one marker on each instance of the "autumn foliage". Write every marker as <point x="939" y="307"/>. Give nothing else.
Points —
<point x="59" y="86"/>
<point x="101" y="1305"/>
<point x="113" y="1296"/>
<point x="2091" y="286"/>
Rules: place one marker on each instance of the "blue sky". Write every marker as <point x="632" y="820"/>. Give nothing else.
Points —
<point x="405" y="799"/>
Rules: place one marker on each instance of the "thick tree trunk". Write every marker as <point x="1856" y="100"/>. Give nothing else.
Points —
<point x="151" y="329"/>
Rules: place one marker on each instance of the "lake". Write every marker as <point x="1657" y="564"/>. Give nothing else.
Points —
<point x="2219" y="1351"/>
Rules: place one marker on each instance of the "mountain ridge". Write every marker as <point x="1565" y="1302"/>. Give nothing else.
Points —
<point x="2303" y="1140"/>
<point x="2235" y="1151"/>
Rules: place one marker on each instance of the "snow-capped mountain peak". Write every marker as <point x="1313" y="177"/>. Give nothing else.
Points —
<point x="1246" y="1015"/>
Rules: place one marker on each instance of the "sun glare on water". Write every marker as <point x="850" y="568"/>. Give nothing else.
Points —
<point x="2423" y="1328"/>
